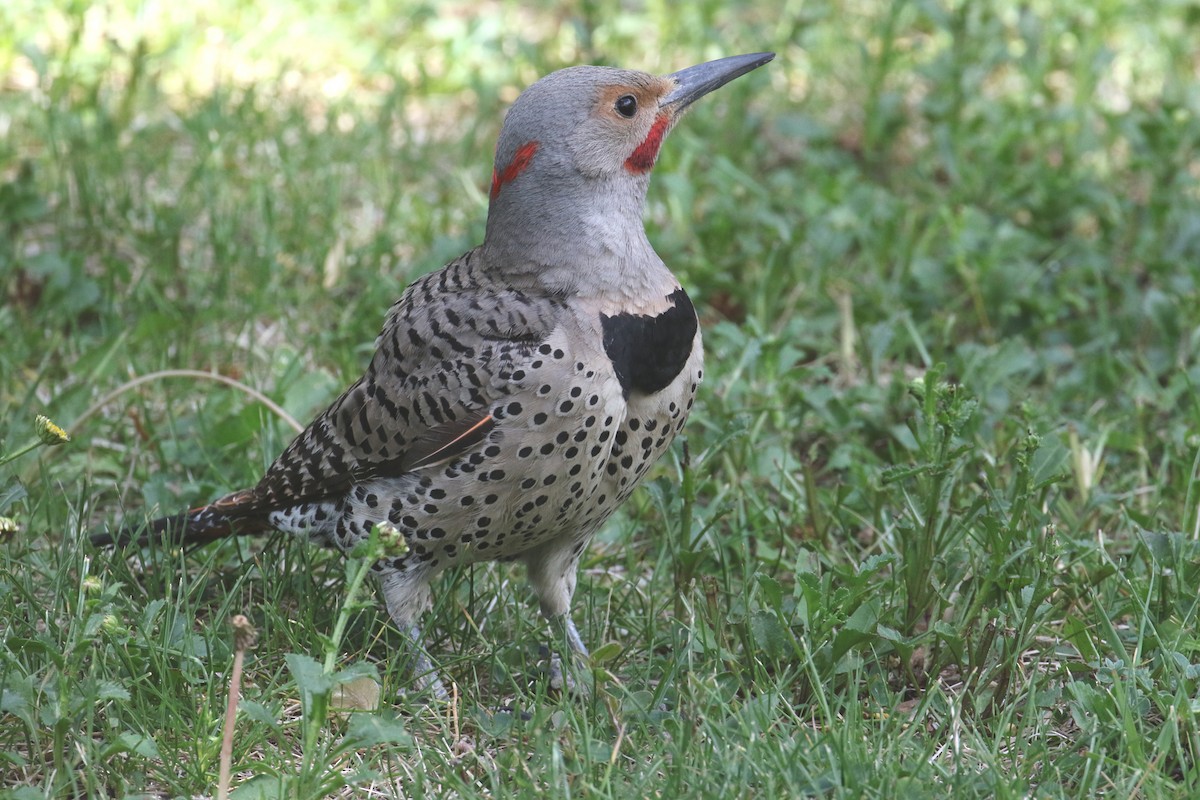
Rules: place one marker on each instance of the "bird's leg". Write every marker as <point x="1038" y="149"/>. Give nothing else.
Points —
<point x="406" y="596"/>
<point x="574" y="677"/>
<point x="564" y="626"/>
<point x="552" y="572"/>
<point x="425" y="674"/>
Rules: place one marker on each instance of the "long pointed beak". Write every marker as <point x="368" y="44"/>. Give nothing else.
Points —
<point x="693" y="83"/>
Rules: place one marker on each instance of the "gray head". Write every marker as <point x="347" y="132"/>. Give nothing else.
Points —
<point x="572" y="165"/>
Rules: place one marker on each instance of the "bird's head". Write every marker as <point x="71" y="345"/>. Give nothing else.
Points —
<point x="575" y="153"/>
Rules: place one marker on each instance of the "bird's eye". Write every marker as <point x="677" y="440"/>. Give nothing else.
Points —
<point x="626" y="106"/>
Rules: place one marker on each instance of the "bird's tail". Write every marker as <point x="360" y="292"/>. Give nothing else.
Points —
<point x="226" y="517"/>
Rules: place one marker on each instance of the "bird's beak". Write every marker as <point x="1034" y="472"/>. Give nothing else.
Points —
<point x="694" y="82"/>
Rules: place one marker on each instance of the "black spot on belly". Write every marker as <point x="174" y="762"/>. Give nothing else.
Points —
<point x="648" y="352"/>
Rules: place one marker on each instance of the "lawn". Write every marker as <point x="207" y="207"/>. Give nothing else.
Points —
<point x="934" y="525"/>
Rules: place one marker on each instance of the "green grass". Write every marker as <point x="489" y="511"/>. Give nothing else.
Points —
<point x="936" y="529"/>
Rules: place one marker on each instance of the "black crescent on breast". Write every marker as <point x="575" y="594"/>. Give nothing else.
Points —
<point x="647" y="353"/>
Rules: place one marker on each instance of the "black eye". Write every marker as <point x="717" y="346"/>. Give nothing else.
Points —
<point x="626" y="106"/>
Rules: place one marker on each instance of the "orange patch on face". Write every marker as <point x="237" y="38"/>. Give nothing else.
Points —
<point x="520" y="162"/>
<point x="646" y="96"/>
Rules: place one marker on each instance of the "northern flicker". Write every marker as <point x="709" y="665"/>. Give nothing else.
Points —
<point x="518" y="394"/>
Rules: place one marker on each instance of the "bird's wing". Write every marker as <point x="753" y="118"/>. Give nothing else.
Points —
<point x="447" y="353"/>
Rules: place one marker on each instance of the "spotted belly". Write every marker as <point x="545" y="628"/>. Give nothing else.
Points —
<point x="540" y="473"/>
<point x="567" y="449"/>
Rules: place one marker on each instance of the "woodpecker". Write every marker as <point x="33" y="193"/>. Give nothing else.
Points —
<point x="518" y="394"/>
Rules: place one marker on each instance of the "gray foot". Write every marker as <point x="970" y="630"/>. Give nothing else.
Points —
<point x="572" y="675"/>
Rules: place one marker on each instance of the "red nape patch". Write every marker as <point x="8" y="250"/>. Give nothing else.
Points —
<point x="642" y="159"/>
<point x="519" y="163"/>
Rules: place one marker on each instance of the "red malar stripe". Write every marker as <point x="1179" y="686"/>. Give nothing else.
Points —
<point x="519" y="163"/>
<point x="642" y="159"/>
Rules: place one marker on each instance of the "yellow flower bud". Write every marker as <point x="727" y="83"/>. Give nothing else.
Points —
<point x="49" y="433"/>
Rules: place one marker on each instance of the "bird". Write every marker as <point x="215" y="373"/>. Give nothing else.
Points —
<point x="519" y="394"/>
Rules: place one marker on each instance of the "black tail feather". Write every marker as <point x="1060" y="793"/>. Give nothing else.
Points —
<point x="196" y="527"/>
